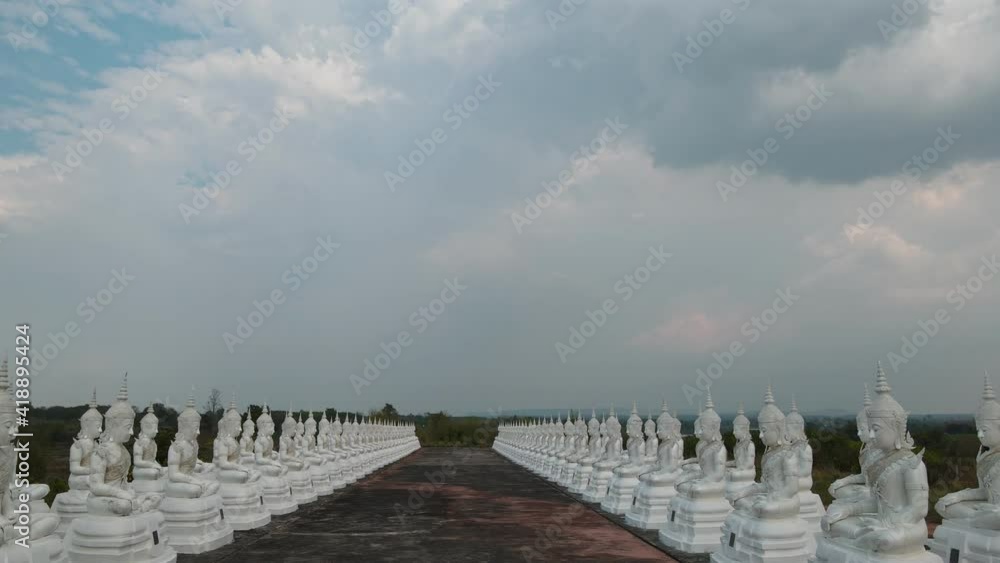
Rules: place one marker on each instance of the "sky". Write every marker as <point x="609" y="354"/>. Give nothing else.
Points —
<point x="501" y="204"/>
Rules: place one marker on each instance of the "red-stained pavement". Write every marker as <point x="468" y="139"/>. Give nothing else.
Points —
<point x="442" y="505"/>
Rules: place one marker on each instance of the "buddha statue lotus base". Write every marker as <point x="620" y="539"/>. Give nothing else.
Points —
<point x="44" y="550"/>
<point x="581" y="481"/>
<point x="651" y="510"/>
<point x="622" y="489"/>
<point x="747" y="539"/>
<point x="600" y="479"/>
<point x="277" y="495"/>
<point x="695" y="524"/>
<point x="811" y="510"/>
<point x="320" y="475"/>
<point x="243" y="505"/>
<point x="302" y="487"/>
<point x="69" y="506"/>
<point x="139" y="538"/>
<point x="196" y="525"/>
<point x="837" y="550"/>
<point x="957" y="540"/>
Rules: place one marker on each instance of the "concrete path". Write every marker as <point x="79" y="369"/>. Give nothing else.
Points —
<point x="442" y="505"/>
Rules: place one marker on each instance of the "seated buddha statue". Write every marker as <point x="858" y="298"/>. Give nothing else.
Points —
<point x="811" y="507"/>
<point x="699" y="509"/>
<point x="971" y="526"/>
<point x="147" y="474"/>
<point x="37" y="541"/>
<point x="656" y="487"/>
<point x="652" y="444"/>
<point x="621" y="489"/>
<point x="73" y="503"/>
<point x="242" y="502"/>
<point x="850" y="487"/>
<point x="890" y="522"/>
<point x="192" y="507"/>
<point x="610" y="459"/>
<point x="298" y="475"/>
<point x="586" y="464"/>
<point x="247" y="441"/>
<point x="121" y="524"/>
<point x="765" y="523"/>
<point x="275" y="488"/>
<point x="320" y="466"/>
<point x="741" y="471"/>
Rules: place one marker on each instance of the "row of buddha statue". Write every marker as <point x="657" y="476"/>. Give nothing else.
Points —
<point x="188" y="506"/>
<point x="709" y="504"/>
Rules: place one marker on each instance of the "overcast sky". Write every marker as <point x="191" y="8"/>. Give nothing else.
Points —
<point x="118" y="116"/>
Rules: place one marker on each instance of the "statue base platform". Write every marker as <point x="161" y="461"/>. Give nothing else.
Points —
<point x="149" y="486"/>
<point x="811" y="510"/>
<point x="140" y="538"/>
<point x="747" y="539"/>
<point x="243" y="506"/>
<point x="835" y="551"/>
<point x="302" y="487"/>
<point x="621" y="490"/>
<point x="957" y="541"/>
<point x="320" y="475"/>
<point x="69" y="506"/>
<point x="599" y="482"/>
<point x="568" y="476"/>
<point x="195" y="525"/>
<point x="277" y="495"/>
<point x="44" y="550"/>
<point x="651" y="510"/>
<point x="695" y="524"/>
<point x="582" y="480"/>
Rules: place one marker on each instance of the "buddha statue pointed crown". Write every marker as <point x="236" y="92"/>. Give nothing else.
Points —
<point x="190" y="413"/>
<point x="862" y="417"/>
<point x="741" y="420"/>
<point x="769" y="412"/>
<point x="989" y="409"/>
<point x="265" y="415"/>
<point x="92" y="414"/>
<point x="663" y="421"/>
<point x="709" y="420"/>
<point x="885" y="407"/>
<point x="150" y="415"/>
<point x="121" y="412"/>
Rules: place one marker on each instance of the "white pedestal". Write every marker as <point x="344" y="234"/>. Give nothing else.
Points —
<point x="957" y="541"/>
<point x="695" y="524"/>
<point x="838" y="551"/>
<point x="69" y="505"/>
<point x="139" y="538"/>
<point x="45" y="550"/>
<point x="195" y="525"/>
<point x="581" y="481"/>
<point x="243" y="506"/>
<point x="302" y="487"/>
<point x="320" y="475"/>
<point x="621" y="490"/>
<point x="746" y="539"/>
<point x="277" y="495"/>
<point x="600" y="480"/>
<point x="651" y="509"/>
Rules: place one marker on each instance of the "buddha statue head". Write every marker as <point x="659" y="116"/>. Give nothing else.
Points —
<point x="771" y="422"/>
<point x="149" y="425"/>
<point x="634" y="424"/>
<point x="709" y="423"/>
<point x="795" y="425"/>
<point x="886" y="417"/>
<point x="232" y="421"/>
<point x="189" y="421"/>
<point x="593" y="425"/>
<point x="676" y="427"/>
<point x="324" y="425"/>
<point x="8" y="409"/>
<point x="248" y="426"/>
<point x="265" y="424"/>
<point x="864" y="432"/>
<point x="310" y="425"/>
<point x="288" y="425"/>
<point x="581" y="426"/>
<point x="988" y="417"/>
<point x="663" y="422"/>
<point x="120" y="418"/>
<point x="92" y="421"/>
<point x="300" y="428"/>
<point x="336" y="427"/>
<point x="741" y="425"/>
<point x="614" y="427"/>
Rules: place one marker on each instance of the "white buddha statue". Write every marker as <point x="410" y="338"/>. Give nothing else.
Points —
<point x="298" y="467"/>
<point x="888" y="525"/>
<point x="274" y="486"/>
<point x="567" y="448"/>
<point x="700" y="507"/>
<point x="319" y="467"/>
<point x="850" y="488"/>
<point x="73" y="503"/>
<point x="148" y="476"/>
<point x="36" y="542"/>
<point x="325" y="448"/>
<point x="120" y="525"/>
<point x="586" y="463"/>
<point x="656" y="488"/>
<point x="765" y="526"/>
<point x="247" y="442"/>
<point x="579" y="445"/>
<point x="612" y="458"/>
<point x="971" y="527"/>
<point x="811" y="507"/>
<point x="242" y="501"/>
<point x="341" y="464"/>
<point x="741" y="471"/>
<point x="652" y="445"/>
<point x="192" y="507"/>
<point x="621" y="490"/>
